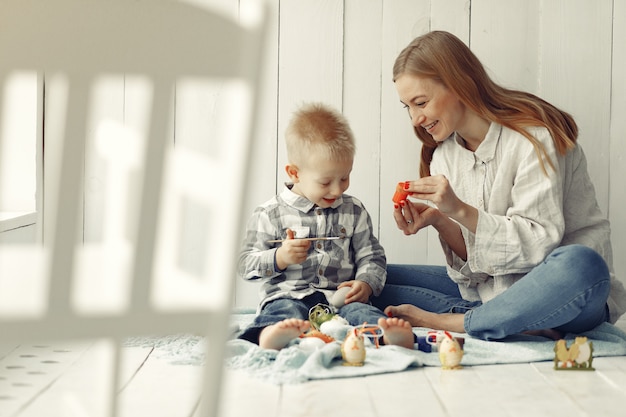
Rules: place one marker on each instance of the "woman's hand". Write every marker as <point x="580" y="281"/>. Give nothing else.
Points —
<point x="438" y="190"/>
<point x="412" y="216"/>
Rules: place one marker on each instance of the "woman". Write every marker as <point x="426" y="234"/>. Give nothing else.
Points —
<point x="527" y="248"/>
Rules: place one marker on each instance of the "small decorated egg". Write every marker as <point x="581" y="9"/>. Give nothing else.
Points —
<point x="353" y="348"/>
<point x="450" y="352"/>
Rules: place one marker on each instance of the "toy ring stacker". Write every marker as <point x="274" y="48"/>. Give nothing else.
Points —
<point x="372" y="332"/>
<point x="400" y="194"/>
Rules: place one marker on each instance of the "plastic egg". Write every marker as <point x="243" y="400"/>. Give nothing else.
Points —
<point x="310" y="344"/>
<point x="339" y="297"/>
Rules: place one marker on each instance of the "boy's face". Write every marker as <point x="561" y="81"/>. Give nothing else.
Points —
<point x="320" y="180"/>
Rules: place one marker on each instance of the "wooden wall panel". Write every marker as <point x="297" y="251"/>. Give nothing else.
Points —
<point x="310" y="66"/>
<point x="505" y="37"/>
<point x="400" y="148"/>
<point x="452" y="16"/>
<point x="266" y="139"/>
<point x="617" y="148"/>
<point x="576" y="75"/>
<point x="402" y="21"/>
<point x="265" y="168"/>
<point x="528" y="45"/>
<point x="361" y="106"/>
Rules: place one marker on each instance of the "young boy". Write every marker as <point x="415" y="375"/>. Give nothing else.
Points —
<point x="297" y="274"/>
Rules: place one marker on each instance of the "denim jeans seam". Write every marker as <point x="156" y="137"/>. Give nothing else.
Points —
<point x="467" y="318"/>
<point x="449" y="305"/>
<point x="537" y="325"/>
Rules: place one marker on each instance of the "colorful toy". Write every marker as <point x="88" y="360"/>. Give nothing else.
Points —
<point x="372" y="332"/>
<point x="325" y="324"/>
<point x="320" y="313"/>
<point x="316" y="333"/>
<point x="353" y="348"/>
<point x="450" y="352"/>
<point x="579" y="356"/>
<point x="400" y="194"/>
<point x="435" y="337"/>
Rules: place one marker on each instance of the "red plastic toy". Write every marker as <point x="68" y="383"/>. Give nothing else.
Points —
<point x="400" y="194"/>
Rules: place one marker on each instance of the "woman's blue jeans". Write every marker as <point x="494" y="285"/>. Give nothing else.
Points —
<point x="567" y="292"/>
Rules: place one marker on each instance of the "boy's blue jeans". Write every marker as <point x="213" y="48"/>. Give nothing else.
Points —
<point x="567" y="292"/>
<point x="285" y="308"/>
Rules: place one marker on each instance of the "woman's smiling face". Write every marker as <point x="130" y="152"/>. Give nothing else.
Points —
<point x="431" y="106"/>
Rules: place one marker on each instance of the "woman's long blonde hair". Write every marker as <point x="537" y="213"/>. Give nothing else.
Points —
<point x="443" y="57"/>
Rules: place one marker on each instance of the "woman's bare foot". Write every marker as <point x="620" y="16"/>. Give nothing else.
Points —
<point x="397" y="332"/>
<point x="277" y="336"/>
<point x="453" y="322"/>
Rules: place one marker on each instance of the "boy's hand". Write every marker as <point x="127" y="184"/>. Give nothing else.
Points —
<point x="292" y="251"/>
<point x="360" y="292"/>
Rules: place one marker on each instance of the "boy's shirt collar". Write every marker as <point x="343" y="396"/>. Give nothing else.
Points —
<point x="300" y="203"/>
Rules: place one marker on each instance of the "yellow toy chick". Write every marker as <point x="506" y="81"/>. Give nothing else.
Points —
<point x="579" y="356"/>
<point x="353" y="348"/>
<point x="450" y="352"/>
<point x="561" y="353"/>
<point x="580" y="352"/>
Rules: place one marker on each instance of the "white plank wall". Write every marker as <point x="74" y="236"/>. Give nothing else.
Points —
<point x="400" y="149"/>
<point x="617" y="143"/>
<point x="571" y="52"/>
<point x="361" y="82"/>
<point x="533" y="45"/>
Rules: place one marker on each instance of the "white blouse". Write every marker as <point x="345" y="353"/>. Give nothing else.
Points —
<point x="523" y="214"/>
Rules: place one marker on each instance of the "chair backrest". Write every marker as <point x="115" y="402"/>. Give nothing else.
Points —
<point x="153" y="249"/>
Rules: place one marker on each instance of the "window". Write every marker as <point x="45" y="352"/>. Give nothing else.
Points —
<point x="21" y="110"/>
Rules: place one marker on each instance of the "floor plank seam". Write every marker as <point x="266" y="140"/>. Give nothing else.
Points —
<point x="139" y="368"/>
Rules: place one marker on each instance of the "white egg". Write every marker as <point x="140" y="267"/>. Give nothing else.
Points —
<point x="310" y="344"/>
<point x="339" y="297"/>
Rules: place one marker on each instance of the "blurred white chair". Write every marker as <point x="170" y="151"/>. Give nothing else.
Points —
<point x="127" y="279"/>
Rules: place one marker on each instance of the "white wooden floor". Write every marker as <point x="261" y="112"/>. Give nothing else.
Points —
<point x="48" y="380"/>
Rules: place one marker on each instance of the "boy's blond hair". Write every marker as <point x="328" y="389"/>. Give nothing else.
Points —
<point x="316" y="127"/>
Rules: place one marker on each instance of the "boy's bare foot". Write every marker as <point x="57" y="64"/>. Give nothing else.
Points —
<point x="397" y="332"/>
<point x="277" y="336"/>
<point x="453" y="322"/>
